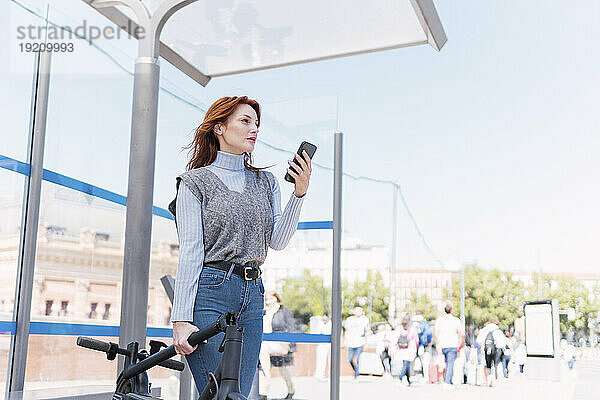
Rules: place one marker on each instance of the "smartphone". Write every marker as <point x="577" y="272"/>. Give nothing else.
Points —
<point x="310" y="150"/>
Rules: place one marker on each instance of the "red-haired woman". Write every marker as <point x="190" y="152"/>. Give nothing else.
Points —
<point x="228" y="213"/>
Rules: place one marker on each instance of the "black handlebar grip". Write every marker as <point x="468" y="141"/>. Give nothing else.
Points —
<point x="173" y="364"/>
<point x="93" y="344"/>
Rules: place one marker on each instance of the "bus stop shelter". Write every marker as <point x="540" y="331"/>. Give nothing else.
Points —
<point x="206" y="40"/>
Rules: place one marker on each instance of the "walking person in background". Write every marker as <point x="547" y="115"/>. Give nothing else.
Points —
<point x="227" y="213"/>
<point x="356" y="326"/>
<point x="492" y="341"/>
<point x="424" y="347"/>
<point x="264" y="380"/>
<point x="277" y="354"/>
<point x="323" y="349"/>
<point x="507" y="352"/>
<point x="383" y="341"/>
<point x="405" y="349"/>
<point x="450" y="335"/>
<point x="520" y="356"/>
<point x="567" y="353"/>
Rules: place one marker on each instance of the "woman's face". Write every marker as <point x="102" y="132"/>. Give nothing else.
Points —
<point x="238" y="134"/>
<point x="270" y="299"/>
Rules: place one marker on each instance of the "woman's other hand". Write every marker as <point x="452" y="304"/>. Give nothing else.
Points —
<point x="301" y="174"/>
<point x="181" y="332"/>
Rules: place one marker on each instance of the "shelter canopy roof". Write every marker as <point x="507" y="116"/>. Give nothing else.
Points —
<point x="227" y="37"/>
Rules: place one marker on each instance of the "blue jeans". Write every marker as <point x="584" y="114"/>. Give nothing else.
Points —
<point x="354" y="352"/>
<point x="505" y="361"/>
<point x="405" y="371"/>
<point x="220" y="292"/>
<point x="450" y="357"/>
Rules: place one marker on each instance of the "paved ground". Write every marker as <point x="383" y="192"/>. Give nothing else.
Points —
<point x="378" y="388"/>
<point x="582" y="383"/>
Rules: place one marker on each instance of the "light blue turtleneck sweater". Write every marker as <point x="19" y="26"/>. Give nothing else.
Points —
<point x="229" y="168"/>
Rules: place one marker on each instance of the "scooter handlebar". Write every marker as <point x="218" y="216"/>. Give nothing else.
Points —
<point x="99" y="345"/>
<point x="93" y="344"/>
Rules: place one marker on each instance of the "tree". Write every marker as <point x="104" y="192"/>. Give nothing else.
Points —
<point x="570" y="293"/>
<point x="423" y="304"/>
<point x="489" y="294"/>
<point x="372" y="294"/>
<point x="306" y="296"/>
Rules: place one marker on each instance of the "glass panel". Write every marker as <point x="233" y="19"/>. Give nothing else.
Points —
<point x="178" y="116"/>
<point x="16" y="84"/>
<point x="84" y="371"/>
<point x="80" y="245"/>
<point x="16" y="80"/>
<point x="77" y="280"/>
<point x="89" y="111"/>
<point x="11" y="200"/>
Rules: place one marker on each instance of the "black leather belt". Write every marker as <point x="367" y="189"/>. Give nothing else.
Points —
<point x="248" y="273"/>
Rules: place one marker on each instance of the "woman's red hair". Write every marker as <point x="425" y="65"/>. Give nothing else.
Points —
<point x="204" y="147"/>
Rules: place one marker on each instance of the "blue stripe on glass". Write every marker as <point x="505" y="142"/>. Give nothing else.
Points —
<point x="296" y="337"/>
<point x="159" y="332"/>
<point x="67" y="329"/>
<point x="315" y="225"/>
<point x="161" y="212"/>
<point x="14" y="165"/>
<point x="71" y="183"/>
<point x="61" y="328"/>
<point x="8" y="327"/>
<point x="83" y="187"/>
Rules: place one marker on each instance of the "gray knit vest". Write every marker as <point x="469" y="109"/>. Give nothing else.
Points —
<point x="236" y="226"/>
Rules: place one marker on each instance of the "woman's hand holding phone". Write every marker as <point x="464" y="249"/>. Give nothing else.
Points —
<point x="301" y="174"/>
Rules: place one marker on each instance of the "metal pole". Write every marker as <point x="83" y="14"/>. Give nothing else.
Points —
<point x="394" y="260"/>
<point x="462" y="296"/>
<point x="370" y="305"/>
<point x="17" y="355"/>
<point x="140" y="191"/>
<point x="336" y="286"/>
<point x="540" y="293"/>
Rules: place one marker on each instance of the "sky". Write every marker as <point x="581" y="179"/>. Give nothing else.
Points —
<point x="492" y="140"/>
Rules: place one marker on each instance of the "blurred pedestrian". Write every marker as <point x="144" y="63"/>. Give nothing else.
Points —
<point x="277" y="318"/>
<point x="520" y="356"/>
<point x="425" y="334"/>
<point x="508" y="351"/>
<point x="450" y="335"/>
<point x="323" y="349"/>
<point x="356" y="327"/>
<point x="492" y="341"/>
<point x="568" y="353"/>
<point x="383" y="340"/>
<point x="405" y="349"/>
